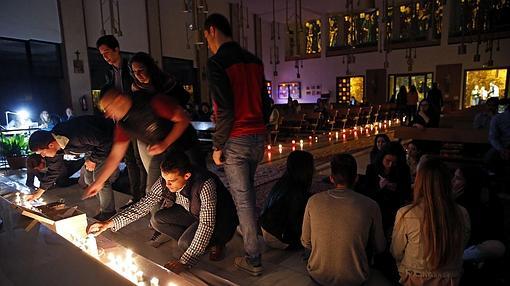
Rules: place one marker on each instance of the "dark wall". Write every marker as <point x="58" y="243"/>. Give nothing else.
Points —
<point x="31" y="77"/>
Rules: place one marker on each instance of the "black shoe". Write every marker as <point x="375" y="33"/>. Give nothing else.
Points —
<point x="104" y="216"/>
<point x="158" y="239"/>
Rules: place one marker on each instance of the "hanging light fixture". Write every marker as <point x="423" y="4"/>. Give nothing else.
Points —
<point x="274" y="51"/>
<point x="114" y="17"/>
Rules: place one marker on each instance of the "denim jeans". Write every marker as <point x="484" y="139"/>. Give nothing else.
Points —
<point x="106" y="199"/>
<point x="242" y="155"/>
<point x="136" y="171"/>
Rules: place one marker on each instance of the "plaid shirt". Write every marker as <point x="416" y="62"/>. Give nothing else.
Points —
<point x="206" y="220"/>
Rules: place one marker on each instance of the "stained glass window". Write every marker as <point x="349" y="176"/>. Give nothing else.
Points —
<point x="350" y="87"/>
<point x="417" y="21"/>
<point x="313" y="36"/>
<point x="333" y="38"/>
<point x="357" y="30"/>
<point x="304" y="41"/>
<point x="472" y="16"/>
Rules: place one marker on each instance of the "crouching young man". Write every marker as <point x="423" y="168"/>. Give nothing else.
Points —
<point x="195" y="209"/>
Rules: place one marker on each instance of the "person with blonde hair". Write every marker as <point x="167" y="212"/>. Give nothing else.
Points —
<point x="431" y="233"/>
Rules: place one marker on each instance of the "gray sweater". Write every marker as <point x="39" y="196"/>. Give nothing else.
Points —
<point x="338" y="227"/>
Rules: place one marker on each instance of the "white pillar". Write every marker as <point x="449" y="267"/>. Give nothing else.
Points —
<point x="74" y="39"/>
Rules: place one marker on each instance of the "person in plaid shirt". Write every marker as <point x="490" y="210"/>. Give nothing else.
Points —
<point x="195" y="209"/>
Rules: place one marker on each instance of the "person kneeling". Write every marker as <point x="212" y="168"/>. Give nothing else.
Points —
<point x="201" y="213"/>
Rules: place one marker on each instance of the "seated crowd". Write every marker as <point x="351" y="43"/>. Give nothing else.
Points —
<point x="409" y="219"/>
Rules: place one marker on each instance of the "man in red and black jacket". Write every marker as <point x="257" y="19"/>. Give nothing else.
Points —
<point x="241" y="108"/>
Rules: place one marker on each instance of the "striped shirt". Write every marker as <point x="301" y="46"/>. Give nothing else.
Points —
<point x="206" y="220"/>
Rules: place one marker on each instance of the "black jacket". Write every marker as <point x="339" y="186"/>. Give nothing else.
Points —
<point x="142" y="122"/>
<point x="90" y="135"/>
<point x="125" y="74"/>
<point x="226" y="215"/>
<point x="169" y="86"/>
<point x="283" y="213"/>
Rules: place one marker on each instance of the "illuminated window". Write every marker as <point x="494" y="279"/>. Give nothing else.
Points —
<point x="269" y="87"/>
<point x="350" y="87"/>
<point x="469" y="17"/>
<point x="313" y="36"/>
<point x="304" y="41"/>
<point x="333" y="31"/>
<point x="422" y="82"/>
<point x="481" y="85"/>
<point x="292" y="89"/>
<point x="358" y="30"/>
<point x="415" y="20"/>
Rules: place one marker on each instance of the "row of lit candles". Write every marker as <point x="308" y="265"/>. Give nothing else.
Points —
<point x="123" y="265"/>
<point x="368" y="128"/>
<point x="21" y="200"/>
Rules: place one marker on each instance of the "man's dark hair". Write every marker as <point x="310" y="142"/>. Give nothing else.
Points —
<point x="108" y="40"/>
<point x="40" y="139"/>
<point x="219" y="22"/>
<point x="176" y="161"/>
<point x="344" y="169"/>
<point x="33" y="160"/>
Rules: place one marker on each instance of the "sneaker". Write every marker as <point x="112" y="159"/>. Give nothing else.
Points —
<point x="158" y="239"/>
<point x="242" y="264"/>
<point x="217" y="252"/>
<point x="104" y="216"/>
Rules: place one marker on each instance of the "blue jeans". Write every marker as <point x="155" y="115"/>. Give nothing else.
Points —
<point x="106" y="199"/>
<point x="242" y="155"/>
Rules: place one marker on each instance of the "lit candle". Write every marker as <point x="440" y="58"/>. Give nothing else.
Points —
<point x="280" y="148"/>
<point x="154" y="281"/>
<point x="91" y="245"/>
<point x="139" y="276"/>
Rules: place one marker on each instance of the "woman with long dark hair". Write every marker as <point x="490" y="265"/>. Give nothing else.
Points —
<point x="282" y="216"/>
<point x="388" y="182"/>
<point x="430" y="234"/>
<point x="147" y="76"/>
<point x="424" y="117"/>
<point x="380" y="140"/>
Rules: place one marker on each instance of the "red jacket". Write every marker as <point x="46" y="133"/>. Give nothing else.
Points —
<point x="240" y="101"/>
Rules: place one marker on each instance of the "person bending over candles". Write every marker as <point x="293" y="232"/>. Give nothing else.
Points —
<point x="89" y="135"/>
<point x="194" y="206"/>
